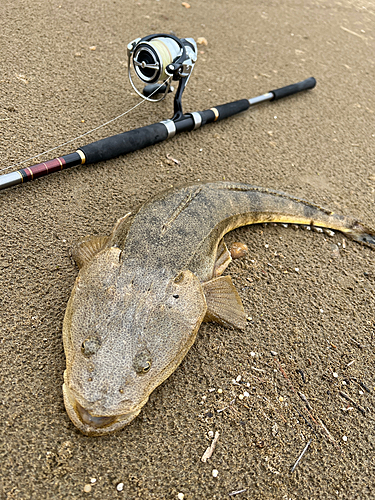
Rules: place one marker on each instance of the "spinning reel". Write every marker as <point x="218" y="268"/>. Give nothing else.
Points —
<point x="157" y="61"/>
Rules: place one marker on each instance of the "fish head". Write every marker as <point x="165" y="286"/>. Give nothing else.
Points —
<point x="124" y="334"/>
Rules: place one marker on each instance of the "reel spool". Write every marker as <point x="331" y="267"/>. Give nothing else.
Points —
<point x="157" y="61"/>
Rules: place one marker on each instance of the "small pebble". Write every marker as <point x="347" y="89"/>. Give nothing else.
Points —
<point x="329" y="232"/>
<point x="274" y="353"/>
<point x="210" y="434"/>
<point x="266" y="246"/>
<point x="361" y="393"/>
<point x="215" y="473"/>
<point x="252" y="354"/>
<point x="238" y="378"/>
<point x="246" y="394"/>
<point x="343" y="382"/>
<point x="281" y="399"/>
<point x="285" y="225"/>
<point x="120" y="486"/>
<point x="87" y="488"/>
<point x="241" y="396"/>
<point x="344" y="438"/>
<point x="335" y="250"/>
<point x="321" y="310"/>
<point x="202" y="41"/>
<point x="335" y="374"/>
<point x="238" y="250"/>
<point x="220" y="391"/>
<point x="296" y="269"/>
<point x="180" y="496"/>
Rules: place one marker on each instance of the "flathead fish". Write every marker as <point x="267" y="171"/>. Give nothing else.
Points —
<point x="143" y="291"/>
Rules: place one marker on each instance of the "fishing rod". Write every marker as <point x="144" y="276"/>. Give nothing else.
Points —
<point x="157" y="61"/>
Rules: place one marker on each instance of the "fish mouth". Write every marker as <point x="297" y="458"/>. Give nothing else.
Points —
<point x="95" y="425"/>
<point x="97" y="422"/>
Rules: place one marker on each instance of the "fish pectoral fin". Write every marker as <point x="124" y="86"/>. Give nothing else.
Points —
<point x="223" y="259"/>
<point x="84" y="250"/>
<point x="224" y="305"/>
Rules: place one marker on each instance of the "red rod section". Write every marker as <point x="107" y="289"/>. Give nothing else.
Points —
<point x="31" y="173"/>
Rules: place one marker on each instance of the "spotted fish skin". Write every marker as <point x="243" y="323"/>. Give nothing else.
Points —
<point x="143" y="291"/>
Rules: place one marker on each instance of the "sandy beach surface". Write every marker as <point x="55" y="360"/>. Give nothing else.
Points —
<point x="310" y="296"/>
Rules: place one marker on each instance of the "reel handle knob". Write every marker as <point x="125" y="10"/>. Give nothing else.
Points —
<point x="161" y="89"/>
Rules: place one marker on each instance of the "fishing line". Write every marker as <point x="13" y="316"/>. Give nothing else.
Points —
<point x="86" y="133"/>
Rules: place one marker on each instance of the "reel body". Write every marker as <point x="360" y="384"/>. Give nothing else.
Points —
<point x="157" y="61"/>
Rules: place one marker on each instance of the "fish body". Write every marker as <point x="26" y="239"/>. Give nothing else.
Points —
<point x="143" y="292"/>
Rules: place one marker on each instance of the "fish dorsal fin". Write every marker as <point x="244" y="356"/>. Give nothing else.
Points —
<point x="224" y="305"/>
<point x="84" y="250"/>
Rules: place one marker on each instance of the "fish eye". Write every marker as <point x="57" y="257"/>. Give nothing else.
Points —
<point x="90" y="346"/>
<point x="142" y="362"/>
<point x="146" y="367"/>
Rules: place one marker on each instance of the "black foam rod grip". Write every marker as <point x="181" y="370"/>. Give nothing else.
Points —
<point x="232" y="108"/>
<point x="125" y="143"/>
<point x="293" y="89"/>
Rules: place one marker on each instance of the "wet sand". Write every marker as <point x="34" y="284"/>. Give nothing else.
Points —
<point x="310" y="296"/>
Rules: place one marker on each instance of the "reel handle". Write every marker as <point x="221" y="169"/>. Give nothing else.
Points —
<point x="150" y="89"/>
<point x="293" y="89"/>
